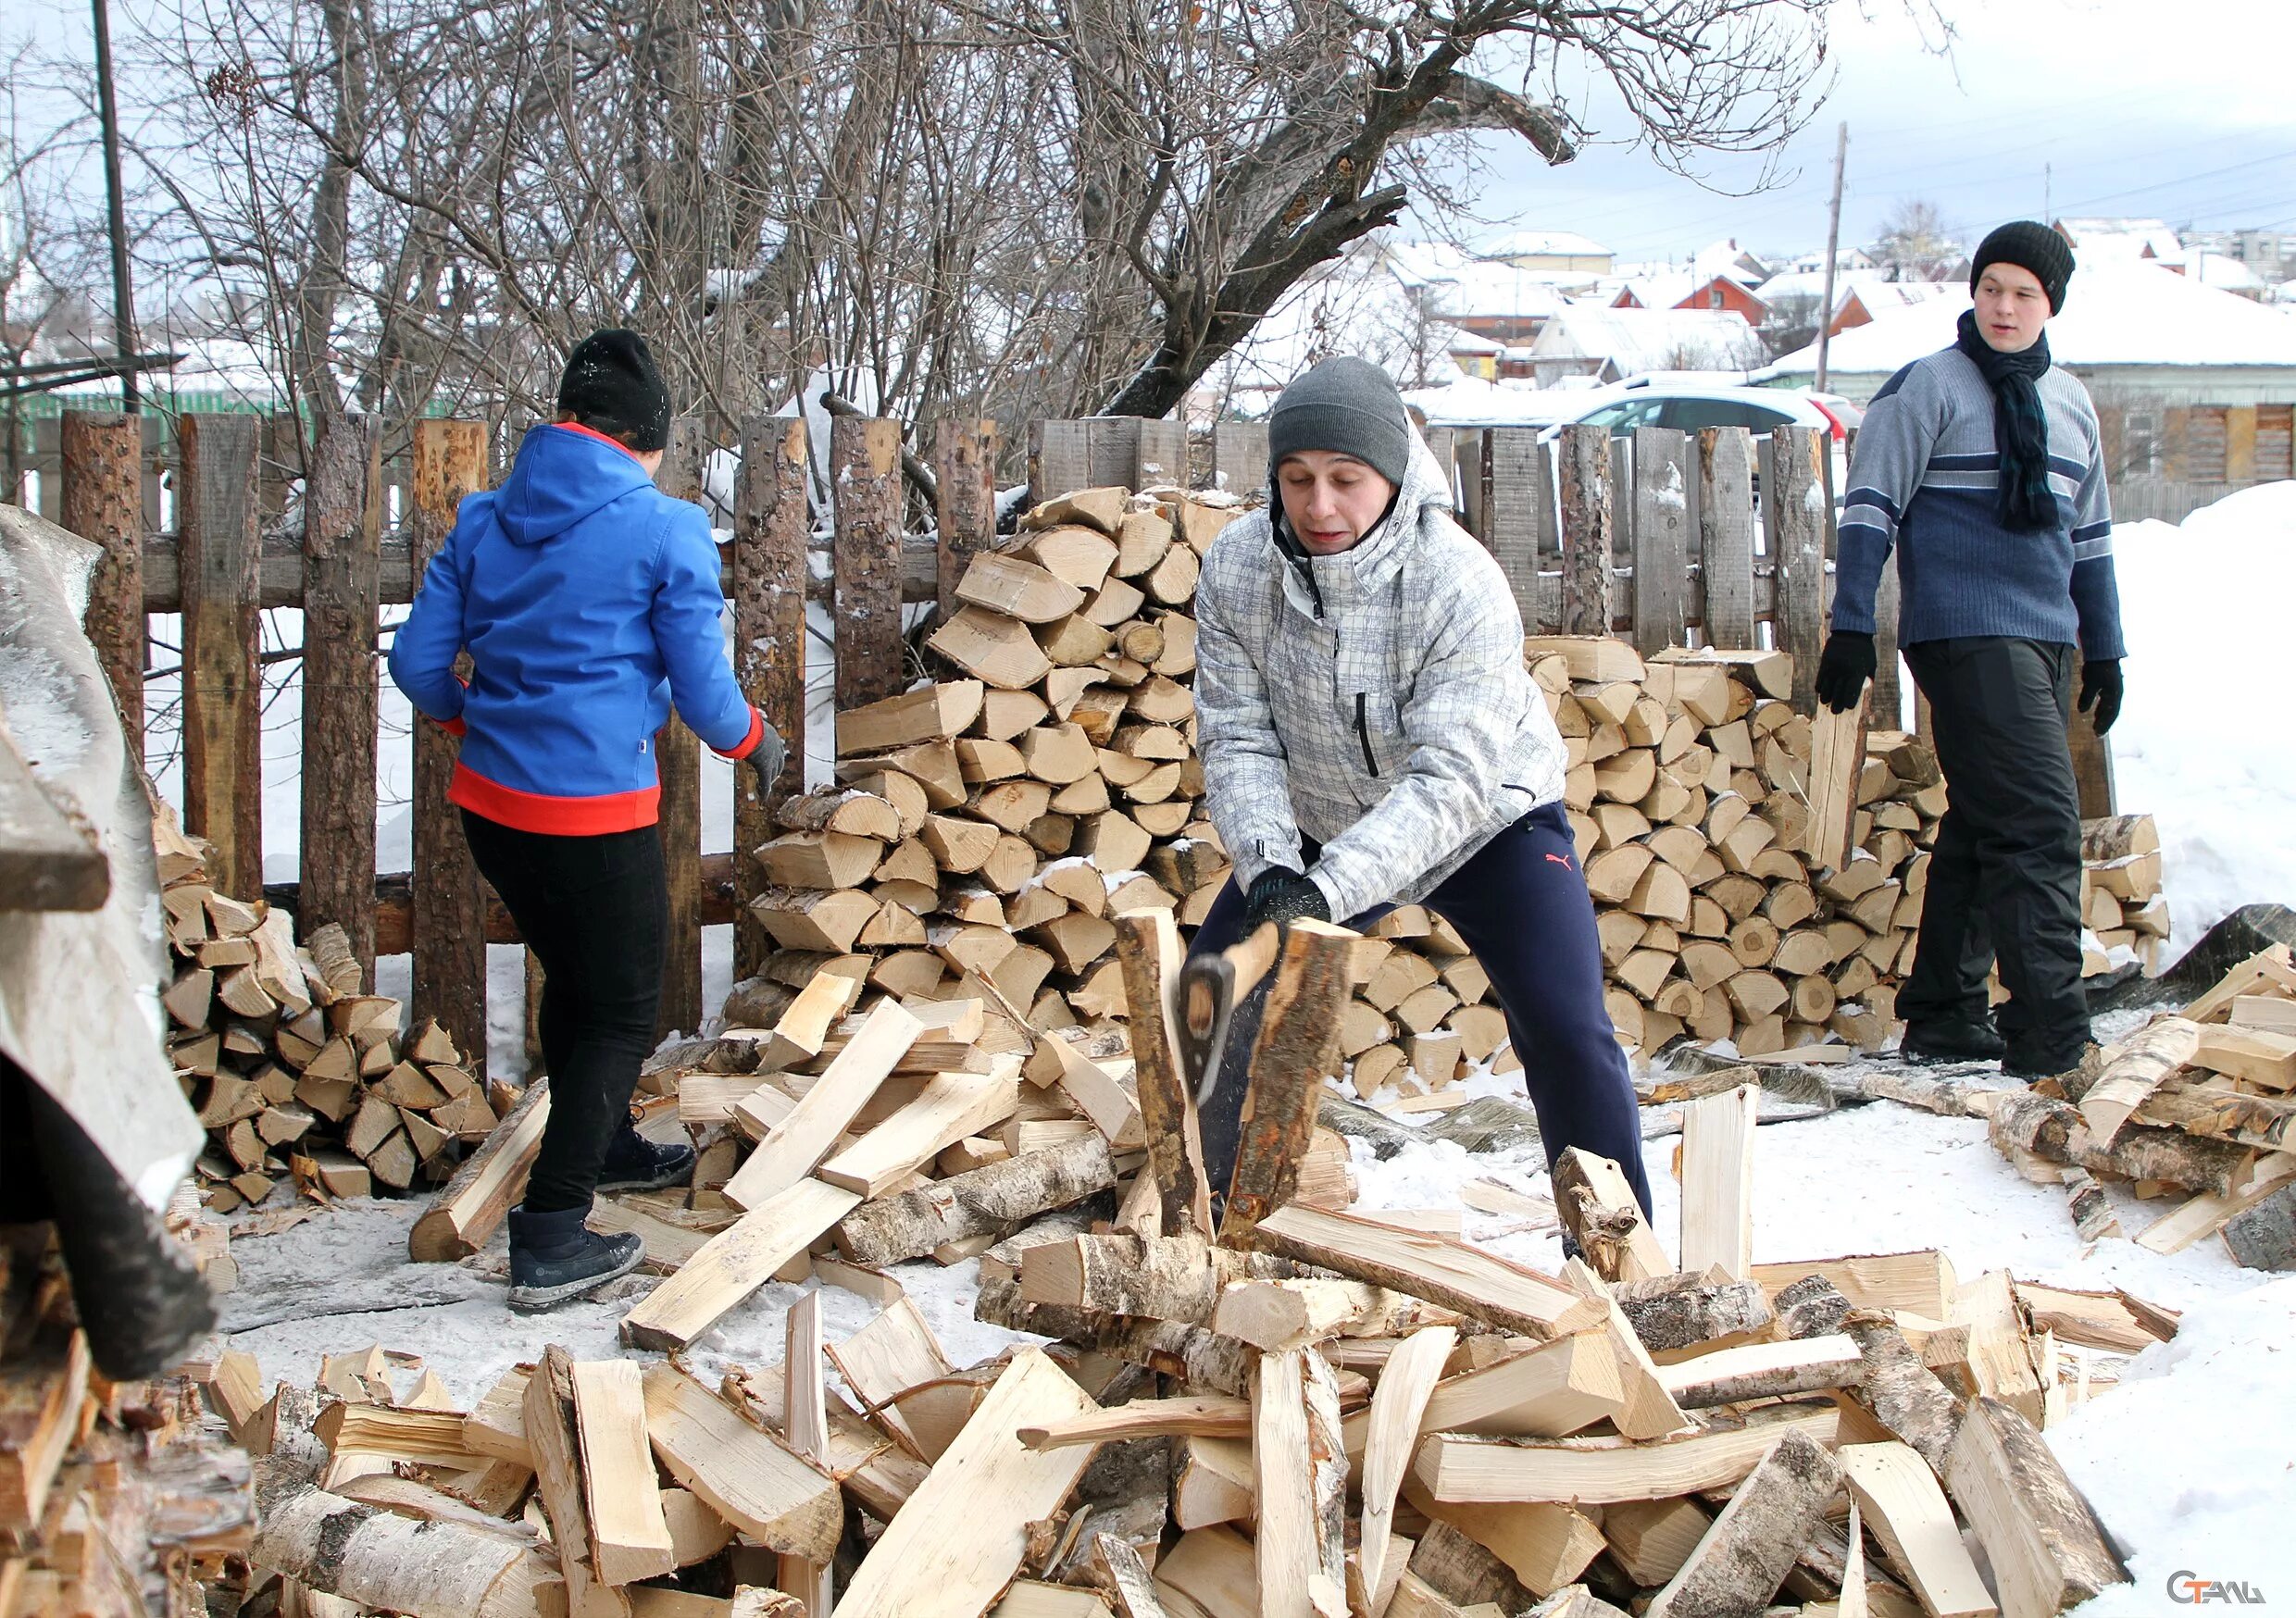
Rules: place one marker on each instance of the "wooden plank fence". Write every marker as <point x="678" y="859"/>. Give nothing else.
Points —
<point x="1659" y="539"/>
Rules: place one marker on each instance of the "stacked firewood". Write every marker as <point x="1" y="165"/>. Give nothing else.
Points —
<point x="116" y="1497"/>
<point x="2200" y="1103"/>
<point x="1299" y="1412"/>
<point x="299" y="1076"/>
<point x="2121" y="903"/>
<point x="991" y="825"/>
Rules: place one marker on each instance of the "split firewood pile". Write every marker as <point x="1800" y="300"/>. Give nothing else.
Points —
<point x="992" y="824"/>
<point x="1290" y="1411"/>
<point x="300" y="1078"/>
<point x="116" y="1497"/>
<point x="2198" y="1104"/>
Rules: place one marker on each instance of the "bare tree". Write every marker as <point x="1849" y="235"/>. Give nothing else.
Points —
<point x="1915" y="244"/>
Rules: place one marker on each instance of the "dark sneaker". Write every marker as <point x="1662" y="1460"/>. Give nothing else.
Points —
<point x="1952" y="1040"/>
<point x="634" y="1163"/>
<point x="555" y="1258"/>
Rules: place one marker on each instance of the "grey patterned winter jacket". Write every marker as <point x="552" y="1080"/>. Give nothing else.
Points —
<point x="1382" y="712"/>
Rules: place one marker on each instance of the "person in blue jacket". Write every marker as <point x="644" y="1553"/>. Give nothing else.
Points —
<point x="589" y="603"/>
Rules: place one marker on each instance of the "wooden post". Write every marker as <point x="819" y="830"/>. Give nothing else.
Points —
<point x="965" y="507"/>
<point x="1887" y="705"/>
<point x="1793" y="502"/>
<point x="342" y="595"/>
<point x="2092" y="763"/>
<point x="1471" y="469"/>
<point x="1513" y="480"/>
<point x="1726" y="536"/>
<point x="769" y="533"/>
<point x="1059" y="460"/>
<point x="1161" y="457"/>
<point x="678" y="759"/>
<point x="1662" y="509"/>
<point x="1239" y="456"/>
<point x="102" y="500"/>
<point x="865" y="462"/>
<point x="449" y="905"/>
<point x="1111" y="451"/>
<point x="220" y="553"/>
<point x="1587" y="526"/>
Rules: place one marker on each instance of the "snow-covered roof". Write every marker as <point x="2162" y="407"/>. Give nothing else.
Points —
<point x="1653" y="340"/>
<point x="1544" y="245"/>
<point x="2122" y="237"/>
<point x="2117" y="312"/>
<point x="2217" y="269"/>
<point x="1495" y="290"/>
<point x="1458" y="340"/>
<point x="1877" y="295"/>
<point x="1668" y="292"/>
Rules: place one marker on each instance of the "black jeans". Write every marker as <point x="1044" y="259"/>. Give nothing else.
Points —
<point x="595" y="912"/>
<point x="2004" y="874"/>
<point x="1521" y="904"/>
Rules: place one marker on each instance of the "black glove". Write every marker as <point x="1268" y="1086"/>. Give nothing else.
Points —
<point x="1283" y="897"/>
<point x="2100" y="690"/>
<point x="768" y="758"/>
<point x="1842" y="671"/>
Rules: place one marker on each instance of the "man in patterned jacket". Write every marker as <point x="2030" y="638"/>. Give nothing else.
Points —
<point x="1371" y="739"/>
<point x="1980" y="464"/>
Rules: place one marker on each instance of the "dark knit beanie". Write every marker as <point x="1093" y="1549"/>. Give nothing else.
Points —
<point x="1346" y="404"/>
<point x="611" y="384"/>
<point x="2028" y="245"/>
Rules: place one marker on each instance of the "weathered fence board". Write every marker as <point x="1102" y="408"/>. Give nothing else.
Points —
<point x="864" y="466"/>
<point x="678" y="758"/>
<point x="1793" y="502"/>
<point x="342" y="590"/>
<point x="770" y="534"/>
<point x="1515" y="485"/>
<point x="449" y="939"/>
<point x="101" y="498"/>
<point x="223" y="678"/>
<point x="1726" y="534"/>
<point x="965" y="499"/>
<point x="1661" y="539"/>
<point x="1586" y="528"/>
<point x="1239" y="456"/>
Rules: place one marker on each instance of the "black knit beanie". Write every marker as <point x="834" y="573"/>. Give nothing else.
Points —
<point x="1346" y="404"/>
<point x="611" y="384"/>
<point x="2028" y="245"/>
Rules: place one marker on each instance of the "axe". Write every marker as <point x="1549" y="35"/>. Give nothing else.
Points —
<point x="1209" y="987"/>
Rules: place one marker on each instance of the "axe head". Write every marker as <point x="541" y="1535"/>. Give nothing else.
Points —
<point x="1206" y="1004"/>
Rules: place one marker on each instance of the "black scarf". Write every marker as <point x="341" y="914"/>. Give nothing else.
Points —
<point x="2020" y="426"/>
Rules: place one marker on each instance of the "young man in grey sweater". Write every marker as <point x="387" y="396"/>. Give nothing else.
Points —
<point x="1980" y="464"/>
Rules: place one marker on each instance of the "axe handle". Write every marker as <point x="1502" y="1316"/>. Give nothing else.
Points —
<point x="1254" y="957"/>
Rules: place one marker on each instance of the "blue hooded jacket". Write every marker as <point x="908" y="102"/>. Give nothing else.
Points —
<point x="589" y="603"/>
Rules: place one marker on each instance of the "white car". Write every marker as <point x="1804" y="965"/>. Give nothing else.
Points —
<point x="1688" y="407"/>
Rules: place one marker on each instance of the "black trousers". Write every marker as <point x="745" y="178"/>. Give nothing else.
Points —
<point x="1521" y="904"/>
<point x="595" y="912"/>
<point x="2004" y="874"/>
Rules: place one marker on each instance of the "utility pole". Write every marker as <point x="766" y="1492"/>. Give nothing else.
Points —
<point x="1833" y="251"/>
<point x="123" y="301"/>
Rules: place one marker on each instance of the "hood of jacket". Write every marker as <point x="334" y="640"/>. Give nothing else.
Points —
<point x="561" y="476"/>
<point x="1373" y="561"/>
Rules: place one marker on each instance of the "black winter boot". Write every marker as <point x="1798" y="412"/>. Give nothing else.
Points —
<point x="554" y="1259"/>
<point x="1952" y="1039"/>
<point x="634" y="1163"/>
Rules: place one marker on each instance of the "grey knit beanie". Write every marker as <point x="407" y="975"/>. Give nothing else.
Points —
<point x="1346" y="404"/>
<point x="2029" y="244"/>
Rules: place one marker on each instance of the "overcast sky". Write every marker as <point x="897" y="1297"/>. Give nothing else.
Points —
<point x="2183" y="111"/>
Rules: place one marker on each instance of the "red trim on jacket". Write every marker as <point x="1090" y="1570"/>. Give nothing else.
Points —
<point x="593" y="432"/>
<point x="748" y="744"/>
<point x="556" y="816"/>
<point x="455" y="727"/>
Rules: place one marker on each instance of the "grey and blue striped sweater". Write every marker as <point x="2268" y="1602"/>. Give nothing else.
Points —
<point x="1924" y="479"/>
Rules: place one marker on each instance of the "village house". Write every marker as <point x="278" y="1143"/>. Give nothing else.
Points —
<point x="1609" y="344"/>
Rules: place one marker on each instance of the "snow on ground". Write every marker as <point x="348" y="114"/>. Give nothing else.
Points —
<point x="2200" y="744"/>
